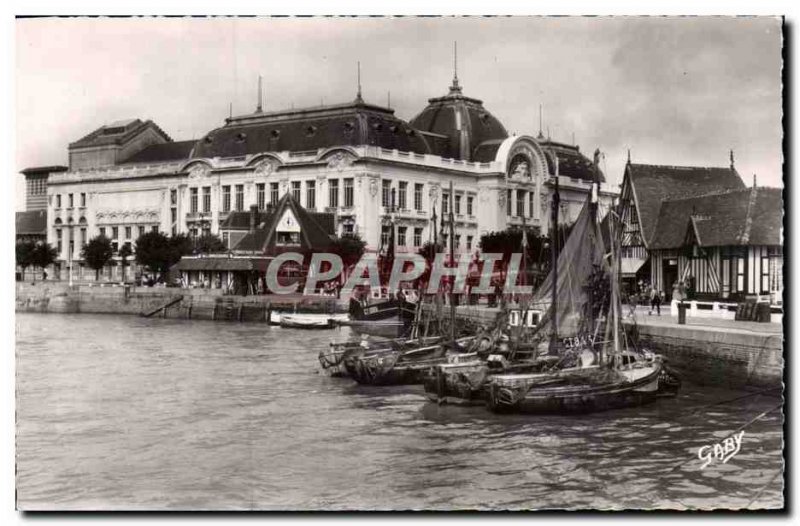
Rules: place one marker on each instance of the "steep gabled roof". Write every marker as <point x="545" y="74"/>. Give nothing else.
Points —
<point x="738" y="217"/>
<point x="313" y="235"/>
<point x="654" y="184"/>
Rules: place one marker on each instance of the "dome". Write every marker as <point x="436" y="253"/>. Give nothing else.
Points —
<point x="351" y="124"/>
<point x="571" y="162"/>
<point x="459" y="127"/>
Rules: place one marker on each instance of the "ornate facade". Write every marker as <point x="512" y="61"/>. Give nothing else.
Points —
<point x="357" y="161"/>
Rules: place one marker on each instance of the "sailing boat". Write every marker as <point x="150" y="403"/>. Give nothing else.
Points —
<point x="598" y="367"/>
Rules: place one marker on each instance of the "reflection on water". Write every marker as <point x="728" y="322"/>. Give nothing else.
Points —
<point x="134" y="413"/>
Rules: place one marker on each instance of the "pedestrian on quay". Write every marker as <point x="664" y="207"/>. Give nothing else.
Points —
<point x="632" y="301"/>
<point x="655" y="300"/>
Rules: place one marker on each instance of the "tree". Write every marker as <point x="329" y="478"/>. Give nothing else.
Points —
<point x="124" y="253"/>
<point x="208" y="244"/>
<point x="349" y="247"/>
<point x="154" y="251"/>
<point x="97" y="253"/>
<point x="44" y="255"/>
<point x="24" y="254"/>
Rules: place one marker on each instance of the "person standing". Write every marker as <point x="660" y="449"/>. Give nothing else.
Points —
<point x="656" y="301"/>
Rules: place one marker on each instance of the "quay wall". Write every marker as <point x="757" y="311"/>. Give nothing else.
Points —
<point x="718" y="356"/>
<point x="207" y="304"/>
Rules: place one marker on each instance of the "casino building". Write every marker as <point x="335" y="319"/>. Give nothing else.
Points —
<point x="358" y="161"/>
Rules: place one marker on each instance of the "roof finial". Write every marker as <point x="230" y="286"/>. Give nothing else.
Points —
<point x="755" y="184"/>
<point x="629" y="156"/>
<point x="358" y="94"/>
<point x="259" y="107"/>
<point x="732" y="159"/>
<point x="389" y="99"/>
<point x="455" y="88"/>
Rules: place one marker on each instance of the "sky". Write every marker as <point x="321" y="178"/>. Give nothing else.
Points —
<point x="677" y="91"/>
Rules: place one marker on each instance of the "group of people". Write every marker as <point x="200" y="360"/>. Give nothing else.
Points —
<point x="646" y="293"/>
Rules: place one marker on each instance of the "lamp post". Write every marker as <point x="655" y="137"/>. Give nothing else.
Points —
<point x="70" y="245"/>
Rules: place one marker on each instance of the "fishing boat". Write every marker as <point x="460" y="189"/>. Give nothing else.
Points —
<point x="332" y="358"/>
<point x="387" y="318"/>
<point x="598" y="367"/>
<point x="305" y="320"/>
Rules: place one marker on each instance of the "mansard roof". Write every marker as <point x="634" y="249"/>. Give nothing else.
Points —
<point x="117" y="132"/>
<point x="163" y="152"/>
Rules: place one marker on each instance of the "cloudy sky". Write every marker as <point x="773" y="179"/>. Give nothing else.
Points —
<point x="680" y="91"/>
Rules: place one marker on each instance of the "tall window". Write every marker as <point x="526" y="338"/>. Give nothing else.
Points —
<point x="102" y="231"/>
<point x="401" y="195"/>
<point x="418" y="196"/>
<point x="239" y="197"/>
<point x="58" y="200"/>
<point x="765" y="275"/>
<point x="127" y="232"/>
<point x="141" y="230"/>
<point x="458" y="205"/>
<point x="154" y="228"/>
<point x="445" y="204"/>
<point x="521" y="203"/>
<point x="114" y="232"/>
<point x="739" y="274"/>
<point x="311" y="195"/>
<point x="401" y="236"/>
<point x="261" y="197"/>
<point x="273" y="193"/>
<point x="531" y="196"/>
<point x="632" y="213"/>
<point x="469" y="242"/>
<point x="71" y="198"/>
<point x="173" y="216"/>
<point x="385" y="230"/>
<point x="333" y="193"/>
<point x="458" y="241"/>
<point x="83" y="199"/>
<point x="193" y="200"/>
<point x="508" y="202"/>
<point x="348" y="192"/>
<point x="386" y="191"/>
<point x="59" y="241"/>
<point x="417" y="237"/>
<point x="226" y="198"/>
<point x="469" y="205"/>
<point x="173" y="197"/>
<point x="206" y="199"/>
<point x="296" y="190"/>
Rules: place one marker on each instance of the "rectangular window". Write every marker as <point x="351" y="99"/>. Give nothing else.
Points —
<point x="102" y="231"/>
<point x="401" y="195"/>
<point x="401" y="236"/>
<point x="347" y="229"/>
<point x="418" y="196"/>
<point x="386" y="191"/>
<point x="765" y="275"/>
<point x="311" y="195"/>
<point x="445" y="204"/>
<point x="58" y="200"/>
<point x="59" y="242"/>
<point x="193" y="231"/>
<point x="83" y="200"/>
<point x="226" y="198"/>
<point x="114" y="232"/>
<point x="530" y="204"/>
<point x="261" y="197"/>
<point x="225" y="239"/>
<point x="458" y="241"/>
<point x="193" y="200"/>
<point x="520" y="203"/>
<point x="458" y="205"/>
<point x="739" y="274"/>
<point x="154" y="228"/>
<point x="469" y="205"/>
<point x="348" y="193"/>
<point x="333" y="193"/>
<point x="173" y="197"/>
<point x="127" y="232"/>
<point x="469" y="242"/>
<point x="385" y="230"/>
<point x="141" y="230"/>
<point x="417" y="237"/>
<point x="206" y="199"/>
<point x="71" y="200"/>
<point x="632" y="213"/>
<point x="239" y="197"/>
<point x="508" y="202"/>
<point x="273" y="193"/>
<point x="444" y="240"/>
<point x="296" y="190"/>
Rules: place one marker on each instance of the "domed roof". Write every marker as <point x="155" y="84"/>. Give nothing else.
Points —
<point x="351" y="124"/>
<point x="460" y="126"/>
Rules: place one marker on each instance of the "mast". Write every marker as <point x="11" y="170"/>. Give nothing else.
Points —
<point x="553" y="350"/>
<point x="452" y="260"/>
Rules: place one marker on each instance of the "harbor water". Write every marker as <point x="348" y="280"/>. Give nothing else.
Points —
<point x="123" y="412"/>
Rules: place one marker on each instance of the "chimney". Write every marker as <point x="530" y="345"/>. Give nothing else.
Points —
<point x="253" y="216"/>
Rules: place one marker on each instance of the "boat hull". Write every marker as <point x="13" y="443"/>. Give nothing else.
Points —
<point x="556" y="398"/>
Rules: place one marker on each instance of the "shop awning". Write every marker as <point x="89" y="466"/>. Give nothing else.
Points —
<point x="220" y="264"/>
<point x="630" y="266"/>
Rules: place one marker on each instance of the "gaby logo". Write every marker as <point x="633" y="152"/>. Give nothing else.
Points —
<point x="721" y="451"/>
